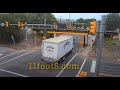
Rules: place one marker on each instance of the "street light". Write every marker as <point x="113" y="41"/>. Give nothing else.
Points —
<point x="39" y="21"/>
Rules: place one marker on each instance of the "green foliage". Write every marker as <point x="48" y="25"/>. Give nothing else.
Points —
<point x="81" y="20"/>
<point x="107" y="39"/>
<point x="113" y="21"/>
<point x="39" y="18"/>
<point x="6" y="33"/>
<point x="38" y="35"/>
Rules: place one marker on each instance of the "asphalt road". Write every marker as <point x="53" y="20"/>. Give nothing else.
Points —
<point x="110" y="69"/>
<point x="26" y="63"/>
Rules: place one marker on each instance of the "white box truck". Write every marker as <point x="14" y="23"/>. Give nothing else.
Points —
<point x="56" y="48"/>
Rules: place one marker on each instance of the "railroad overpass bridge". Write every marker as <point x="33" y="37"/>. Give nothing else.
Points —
<point x="83" y="33"/>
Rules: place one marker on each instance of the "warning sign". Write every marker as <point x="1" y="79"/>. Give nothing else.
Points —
<point x="81" y="42"/>
<point x="44" y="37"/>
<point x="82" y="74"/>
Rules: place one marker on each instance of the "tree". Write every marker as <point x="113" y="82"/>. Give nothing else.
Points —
<point x="81" y="20"/>
<point x="87" y="21"/>
<point x="5" y="33"/>
<point x="113" y="21"/>
<point x="39" y="18"/>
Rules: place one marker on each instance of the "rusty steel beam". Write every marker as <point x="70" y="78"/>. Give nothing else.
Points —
<point x="78" y="33"/>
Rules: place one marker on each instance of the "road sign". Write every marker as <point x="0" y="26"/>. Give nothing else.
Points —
<point x="44" y="37"/>
<point x="81" y="42"/>
<point x="13" y="39"/>
<point x="87" y="28"/>
<point x="2" y="24"/>
<point x="83" y="74"/>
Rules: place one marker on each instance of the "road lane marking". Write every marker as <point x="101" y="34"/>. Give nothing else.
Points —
<point x="92" y="70"/>
<point x="17" y="57"/>
<point x="1" y="54"/>
<point x="13" y="73"/>
<point x="11" y="54"/>
<point x="81" y="66"/>
<point x="66" y="66"/>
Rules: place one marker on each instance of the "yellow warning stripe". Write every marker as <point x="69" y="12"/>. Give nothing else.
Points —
<point x="85" y="34"/>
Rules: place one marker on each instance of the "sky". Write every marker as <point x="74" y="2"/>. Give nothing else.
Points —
<point x="79" y="15"/>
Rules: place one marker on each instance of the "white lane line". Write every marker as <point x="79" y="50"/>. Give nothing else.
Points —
<point x="92" y="70"/>
<point x="1" y="54"/>
<point x="66" y="66"/>
<point x="11" y="54"/>
<point x="13" y="73"/>
<point x="81" y="66"/>
<point x="17" y="57"/>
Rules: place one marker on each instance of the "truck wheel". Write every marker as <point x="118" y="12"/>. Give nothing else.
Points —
<point x="63" y="58"/>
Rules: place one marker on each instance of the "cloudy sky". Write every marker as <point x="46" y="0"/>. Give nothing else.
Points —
<point x="79" y="15"/>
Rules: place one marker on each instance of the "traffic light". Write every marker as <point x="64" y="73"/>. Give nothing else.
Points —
<point x="7" y="24"/>
<point x="19" y="24"/>
<point x="93" y="27"/>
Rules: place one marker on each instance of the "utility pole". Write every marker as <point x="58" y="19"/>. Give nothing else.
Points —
<point x="60" y="19"/>
<point x="69" y="20"/>
<point x="45" y="32"/>
<point x="14" y="29"/>
<point x="100" y="44"/>
<point x="96" y="40"/>
<point x="26" y="33"/>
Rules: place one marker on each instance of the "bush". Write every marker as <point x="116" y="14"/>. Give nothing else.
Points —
<point x="107" y="39"/>
<point x="6" y="33"/>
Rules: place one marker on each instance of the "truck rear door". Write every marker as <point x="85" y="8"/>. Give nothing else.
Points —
<point x="50" y="50"/>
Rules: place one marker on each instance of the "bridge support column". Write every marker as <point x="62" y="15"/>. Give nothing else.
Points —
<point x="85" y="39"/>
<point x="119" y="35"/>
<point x="54" y="34"/>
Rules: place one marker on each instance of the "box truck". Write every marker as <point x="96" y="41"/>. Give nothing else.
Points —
<point x="55" y="49"/>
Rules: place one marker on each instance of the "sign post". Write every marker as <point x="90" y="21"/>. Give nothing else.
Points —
<point x="13" y="39"/>
<point x="2" y="24"/>
<point x="91" y="44"/>
<point x="35" y="41"/>
<point x="82" y="43"/>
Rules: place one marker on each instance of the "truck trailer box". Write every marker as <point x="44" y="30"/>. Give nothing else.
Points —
<point x="54" y="49"/>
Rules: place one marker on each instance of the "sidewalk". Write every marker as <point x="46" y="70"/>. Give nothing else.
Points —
<point x="86" y="52"/>
<point x="20" y="46"/>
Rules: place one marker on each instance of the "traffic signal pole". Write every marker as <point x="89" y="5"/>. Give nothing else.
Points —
<point x="45" y="32"/>
<point x="100" y="44"/>
<point x="26" y="32"/>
